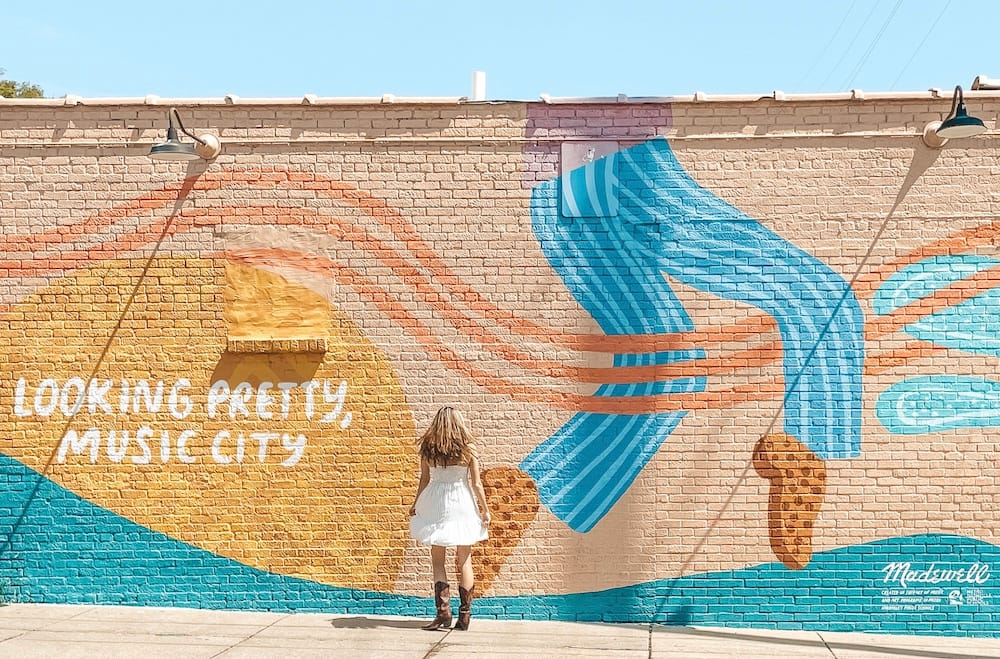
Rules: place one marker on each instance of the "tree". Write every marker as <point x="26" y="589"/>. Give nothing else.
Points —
<point x="15" y="89"/>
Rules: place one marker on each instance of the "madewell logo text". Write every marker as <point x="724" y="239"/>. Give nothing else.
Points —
<point x="904" y="574"/>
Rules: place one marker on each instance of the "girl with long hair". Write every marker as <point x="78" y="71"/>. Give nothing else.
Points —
<point x="449" y="510"/>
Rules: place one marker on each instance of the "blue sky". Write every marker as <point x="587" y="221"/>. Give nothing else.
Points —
<point x="581" y="48"/>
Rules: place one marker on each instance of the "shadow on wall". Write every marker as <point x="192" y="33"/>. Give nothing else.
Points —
<point x="135" y="128"/>
<point x="274" y="367"/>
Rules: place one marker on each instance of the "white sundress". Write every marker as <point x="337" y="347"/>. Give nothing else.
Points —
<point x="446" y="511"/>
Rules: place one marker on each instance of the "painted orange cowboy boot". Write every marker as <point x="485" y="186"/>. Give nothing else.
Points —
<point x="798" y="483"/>
<point x="512" y="499"/>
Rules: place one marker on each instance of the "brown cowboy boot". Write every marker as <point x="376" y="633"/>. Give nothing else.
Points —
<point x="465" y="608"/>
<point x="798" y="483"/>
<point x="442" y="598"/>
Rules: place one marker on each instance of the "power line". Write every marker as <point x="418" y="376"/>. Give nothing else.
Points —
<point x="850" y="45"/>
<point x="829" y="43"/>
<point x="864" y="58"/>
<point x="920" y="45"/>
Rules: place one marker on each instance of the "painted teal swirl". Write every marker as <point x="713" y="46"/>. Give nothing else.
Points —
<point x="939" y="402"/>
<point x="971" y="325"/>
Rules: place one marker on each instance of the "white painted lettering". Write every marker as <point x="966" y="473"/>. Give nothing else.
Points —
<point x="142" y="438"/>
<point x="286" y="397"/>
<point x="51" y="388"/>
<point x="19" y="409"/>
<point x="264" y="400"/>
<point x="337" y="397"/>
<point x="71" y="441"/>
<point x="262" y="438"/>
<point x="218" y="393"/>
<point x="296" y="446"/>
<point x="179" y="404"/>
<point x="117" y="450"/>
<point x="310" y="387"/>
<point x="65" y="406"/>
<point x="143" y="395"/>
<point x="181" y="448"/>
<point x="242" y="393"/>
<point x="217" y="455"/>
<point x="96" y="390"/>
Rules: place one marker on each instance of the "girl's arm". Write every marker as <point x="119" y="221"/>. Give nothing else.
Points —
<point x="425" y="477"/>
<point x="477" y="488"/>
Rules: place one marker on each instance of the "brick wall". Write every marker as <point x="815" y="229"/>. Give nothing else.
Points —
<point x="736" y="367"/>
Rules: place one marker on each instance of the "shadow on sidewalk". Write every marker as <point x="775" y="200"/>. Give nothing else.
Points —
<point x="361" y="622"/>
<point x="821" y="642"/>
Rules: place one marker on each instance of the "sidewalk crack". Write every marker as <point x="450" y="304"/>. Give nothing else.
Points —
<point x="262" y="629"/>
<point x="437" y="646"/>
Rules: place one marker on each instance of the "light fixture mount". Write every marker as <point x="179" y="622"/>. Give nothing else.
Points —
<point x="206" y="145"/>
<point x="957" y="124"/>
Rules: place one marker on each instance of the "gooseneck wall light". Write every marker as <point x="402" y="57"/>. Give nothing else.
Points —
<point x="206" y="146"/>
<point x="957" y="124"/>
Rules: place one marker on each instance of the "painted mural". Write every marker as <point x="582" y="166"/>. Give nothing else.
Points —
<point x="615" y="263"/>
<point x="930" y="403"/>
<point x="267" y="462"/>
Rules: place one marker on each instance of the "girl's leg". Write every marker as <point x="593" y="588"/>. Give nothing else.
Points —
<point x="442" y="593"/>
<point x="463" y="564"/>
<point x="466" y="585"/>
<point x="437" y="563"/>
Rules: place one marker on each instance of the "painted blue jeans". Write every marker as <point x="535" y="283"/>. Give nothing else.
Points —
<point x="641" y="216"/>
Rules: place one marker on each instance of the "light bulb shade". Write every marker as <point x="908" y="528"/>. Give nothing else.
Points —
<point x="173" y="150"/>
<point x="206" y="146"/>
<point x="961" y="125"/>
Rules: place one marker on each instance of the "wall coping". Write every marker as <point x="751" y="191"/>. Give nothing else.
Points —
<point x="544" y="99"/>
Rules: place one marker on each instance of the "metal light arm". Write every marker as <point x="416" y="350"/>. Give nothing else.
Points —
<point x="173" y="114"/>
<point x="957" y="98"/>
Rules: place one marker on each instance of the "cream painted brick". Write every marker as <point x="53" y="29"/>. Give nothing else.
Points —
<point x="469" y="203"/>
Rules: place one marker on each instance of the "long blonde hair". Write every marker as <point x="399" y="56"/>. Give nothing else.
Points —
<point x="447" y="441"/>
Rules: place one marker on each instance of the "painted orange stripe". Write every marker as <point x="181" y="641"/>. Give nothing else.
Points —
<point x="715" y="399"/>
<point x="964" y="240"/>
<point x="393" y="220"/>
<point x="388" y="305"/>
<point x="890" y="359"/>
<point x="713" y="366"/>
<point x="387" y="216"/>
<point x="613" y="375"/>
<point x="443" y="275"/>
<point x="385" y="254"/>
<point x="105" y="217"/>
<point x="955" y="293"/>
<point x="983" y="235"/>
<point x="629" y="344"/>
<point x="706" y="366"/>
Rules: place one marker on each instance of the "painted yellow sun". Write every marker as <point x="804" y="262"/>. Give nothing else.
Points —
<point x="221" y="405"/>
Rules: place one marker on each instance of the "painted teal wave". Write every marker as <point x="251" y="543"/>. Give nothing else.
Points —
<point x="56" y="547"/>
<point x="970" y="325"/>
<point x="939" y="402"/>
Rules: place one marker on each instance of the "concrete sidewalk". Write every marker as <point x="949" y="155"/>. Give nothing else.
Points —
<point x="40" y="630"/>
